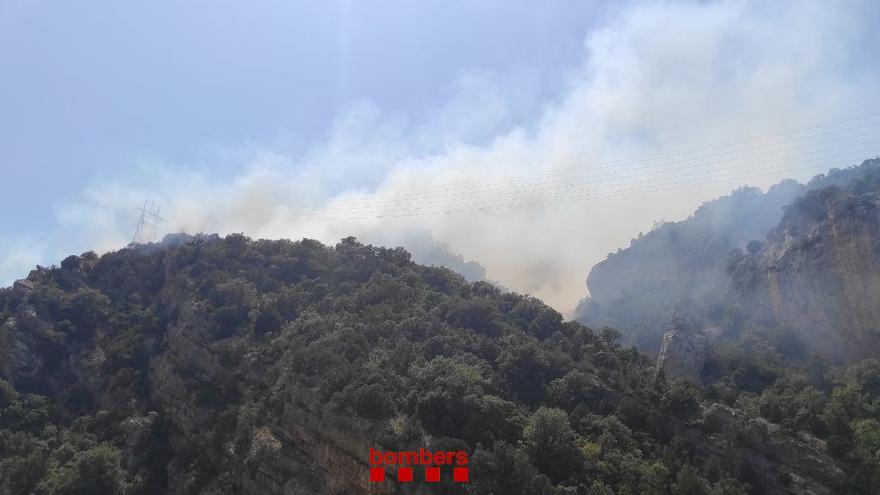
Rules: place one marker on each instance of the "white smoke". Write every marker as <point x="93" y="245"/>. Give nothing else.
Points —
<point x="656" y="78"/>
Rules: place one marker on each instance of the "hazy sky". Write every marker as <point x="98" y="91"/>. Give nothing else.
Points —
<point x="476" y="123"/>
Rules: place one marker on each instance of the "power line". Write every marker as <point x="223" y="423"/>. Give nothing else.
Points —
<point x="562" y="173"/>
<point x="856" y="150"/>
<point x="439" y="197"/>
<point x="700" y="167"/>
<point x="829" y="142"/>
<point x="812" y="164"/>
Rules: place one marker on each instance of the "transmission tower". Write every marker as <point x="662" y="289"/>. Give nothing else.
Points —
<point x="140" y="225"/>
<point x="148" y="214"/>
<point x="154" y="215"/>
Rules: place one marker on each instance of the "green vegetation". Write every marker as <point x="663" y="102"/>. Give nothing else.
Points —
<point x="841" y="406"/>
<point x="413" y="355"/>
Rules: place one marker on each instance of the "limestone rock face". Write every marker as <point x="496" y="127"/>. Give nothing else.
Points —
<point x="818" y="272"/>
<point x="683" y="352"/>
<point x="679" y="266"/>
<point x="809" y="260"/>
<point x="22" y="287"/>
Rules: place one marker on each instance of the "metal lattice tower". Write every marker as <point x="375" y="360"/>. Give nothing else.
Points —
<point x="154" y="215"/>
<point x="148" y="214"/>
<point x="140" y="225"/>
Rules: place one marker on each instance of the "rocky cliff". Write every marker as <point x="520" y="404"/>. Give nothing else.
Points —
<point x="818" y="271"/>
<point x="683" y="351"/>
<point x="804" y="257"/>
<point x="679" y="266"/>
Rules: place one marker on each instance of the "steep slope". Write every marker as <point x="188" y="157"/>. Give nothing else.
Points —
<point x="273" y="367"/>
<point x="818" y="272"/>
<point x="680" y="266"/>
<point x="684" y="266"/>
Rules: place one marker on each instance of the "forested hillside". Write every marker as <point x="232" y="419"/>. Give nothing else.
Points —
<point x="229" y="365"/>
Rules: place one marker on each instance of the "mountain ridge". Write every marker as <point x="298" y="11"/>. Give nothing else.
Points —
<point x="226" y="365"/>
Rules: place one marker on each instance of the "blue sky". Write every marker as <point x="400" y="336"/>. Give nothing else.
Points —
<point x="88" y="87"/>
<point x="232" y="115"/>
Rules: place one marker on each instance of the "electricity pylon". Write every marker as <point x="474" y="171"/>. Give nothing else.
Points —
<point x="150" y="214"/>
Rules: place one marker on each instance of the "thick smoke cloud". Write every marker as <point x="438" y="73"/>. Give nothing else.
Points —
<point x="656" y="78"/>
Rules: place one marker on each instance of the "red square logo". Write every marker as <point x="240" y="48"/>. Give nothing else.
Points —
<point x="432" y="474"/>
<point x="377" y="474"/>
<point x="460" y="474"/>
<point x="404" y="474"/>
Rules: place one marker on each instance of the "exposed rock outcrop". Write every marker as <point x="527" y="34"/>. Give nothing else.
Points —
<point x="816" y="269"/>
<point x="818" y="272"/>
<point x="683" y="352"/>
<point x="679" y="266"/>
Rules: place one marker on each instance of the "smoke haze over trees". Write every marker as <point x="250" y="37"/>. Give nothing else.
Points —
<point x="602" y="247"/>
<point x="600" y="93"/>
